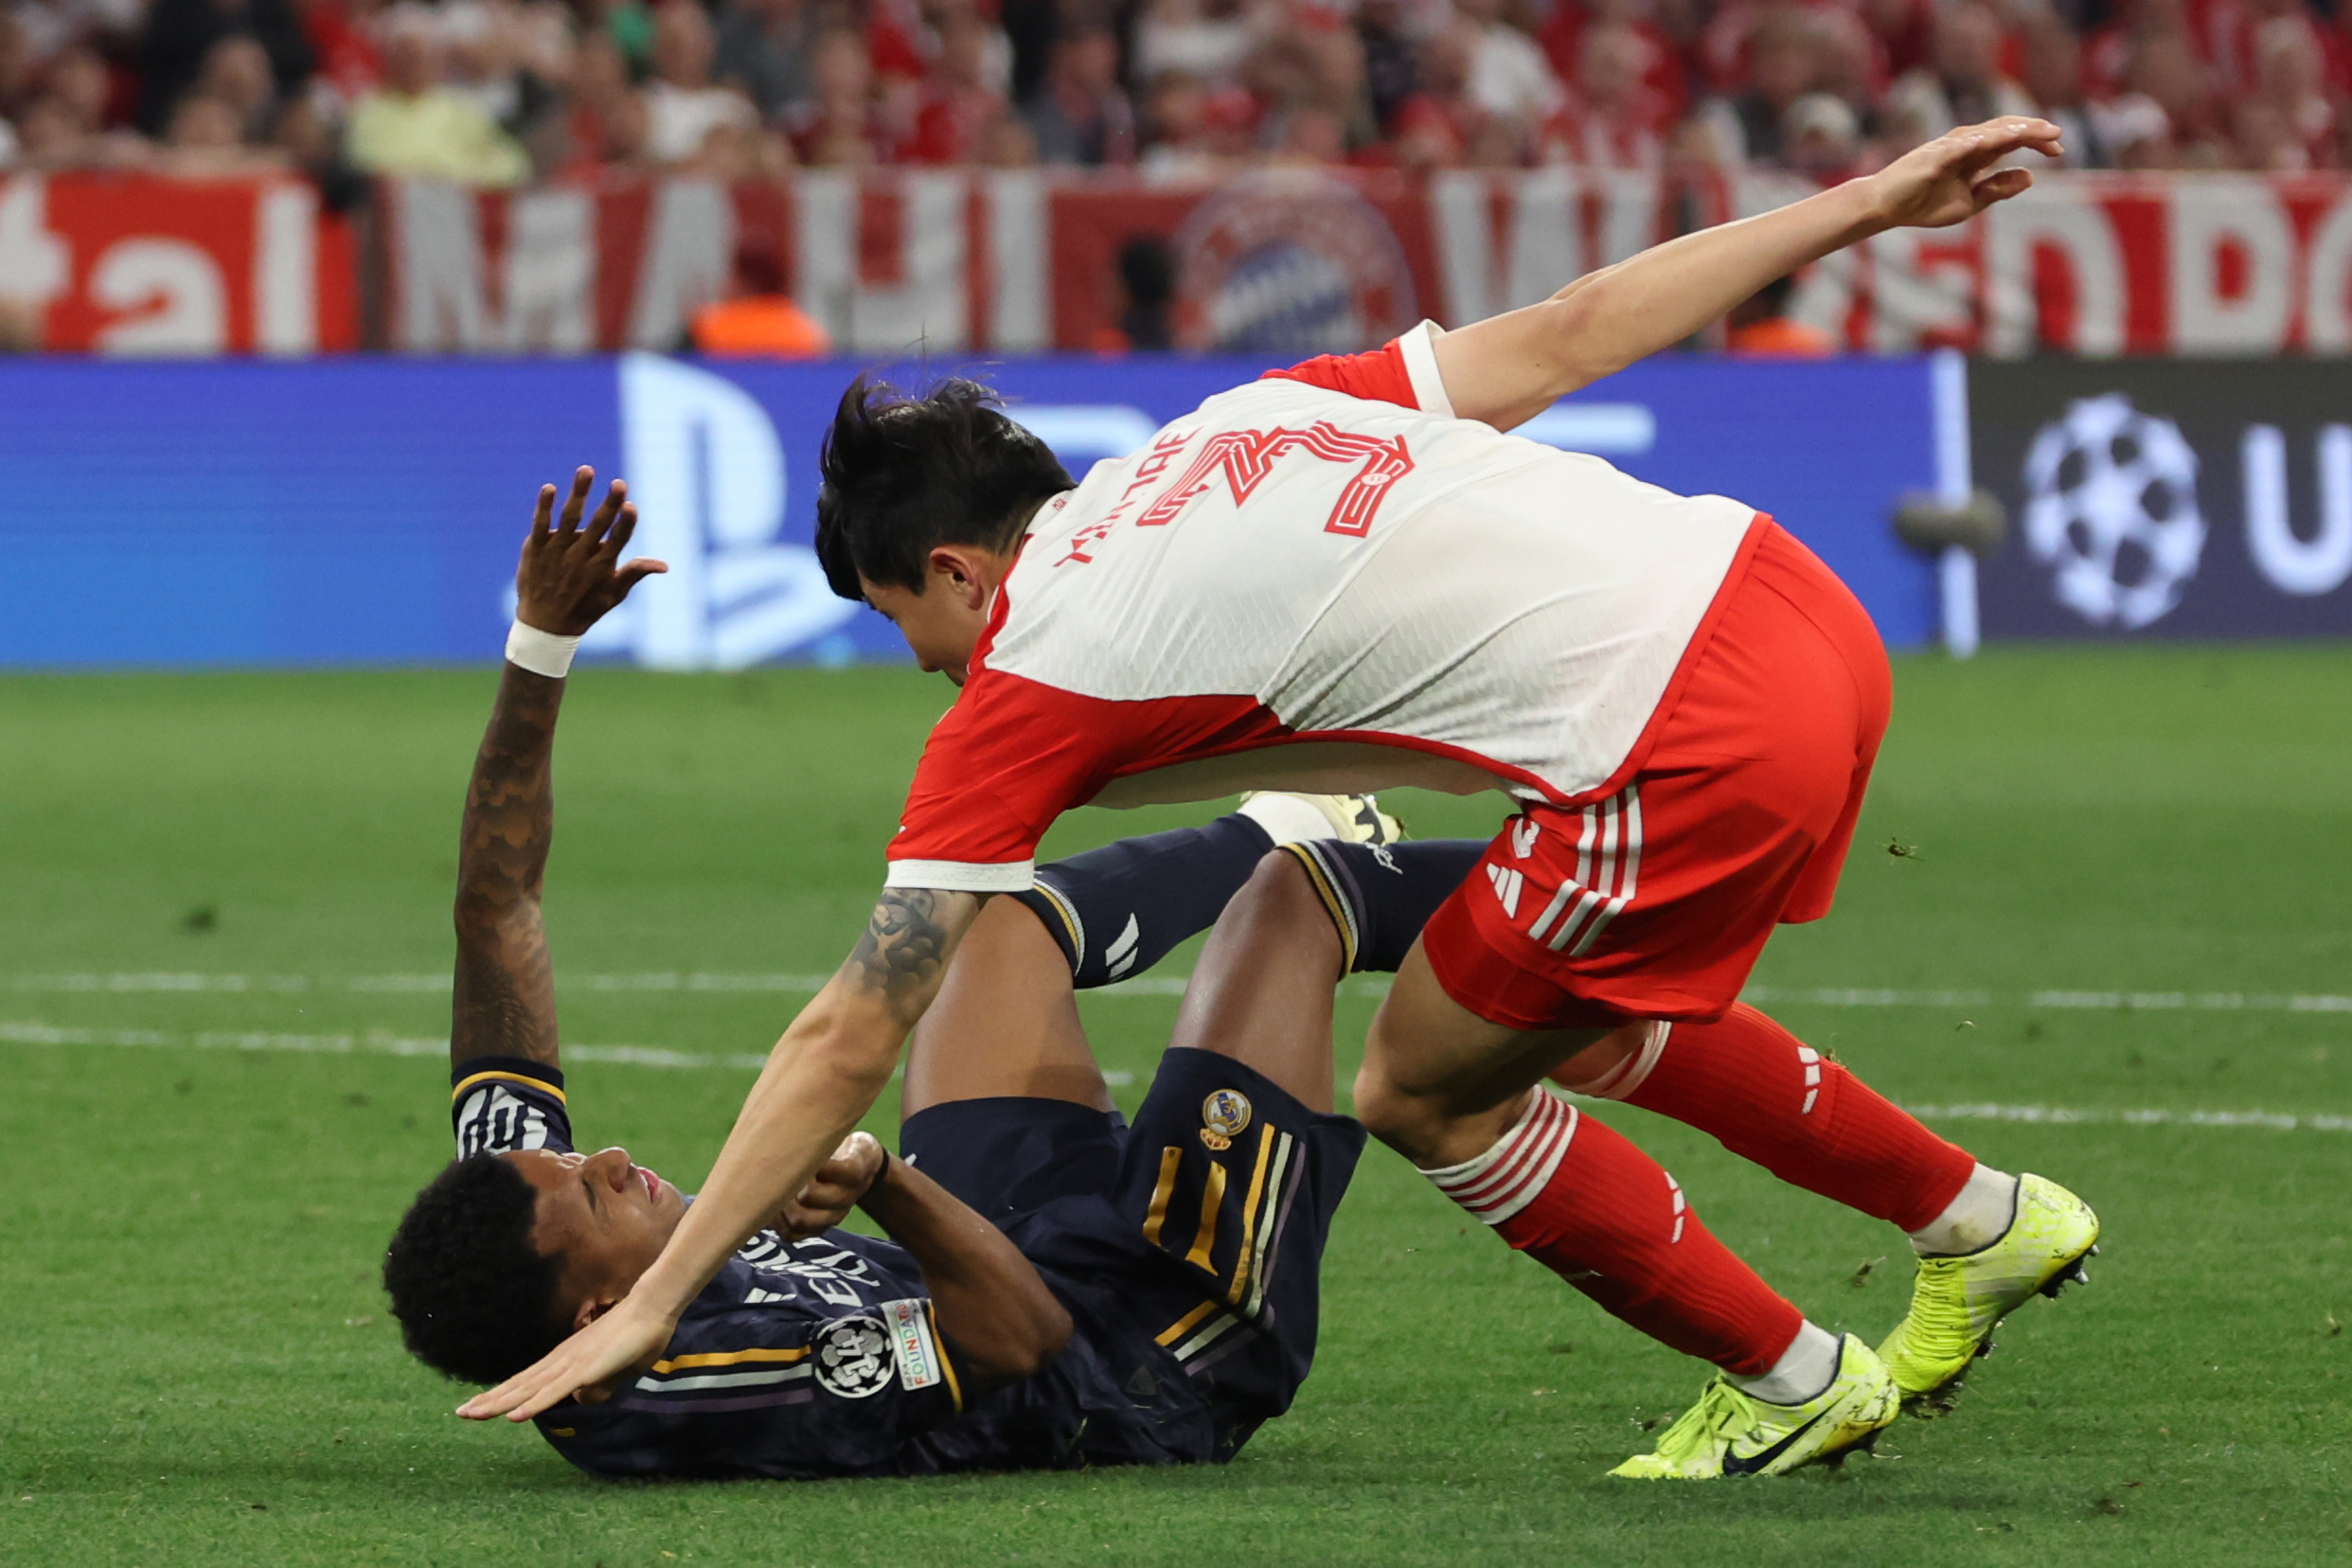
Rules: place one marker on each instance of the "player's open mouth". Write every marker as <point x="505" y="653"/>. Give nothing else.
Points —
<point x="653" y="1184"/>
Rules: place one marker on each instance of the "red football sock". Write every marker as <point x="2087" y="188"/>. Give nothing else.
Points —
<point x="1772" y="1099"/>
<point x="1594" y="1210"/>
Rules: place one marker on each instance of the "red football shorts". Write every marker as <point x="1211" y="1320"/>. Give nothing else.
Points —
<point x="1653" y="901"/>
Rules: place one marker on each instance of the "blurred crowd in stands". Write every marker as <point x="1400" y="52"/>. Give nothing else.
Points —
<point x="504" y="92"/>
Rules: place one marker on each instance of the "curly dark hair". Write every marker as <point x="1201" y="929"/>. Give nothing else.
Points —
<point x="476" y="1298"/>
<point x="905" y="474"/>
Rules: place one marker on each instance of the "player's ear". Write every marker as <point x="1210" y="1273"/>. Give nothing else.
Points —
<point x="959" y="569"/>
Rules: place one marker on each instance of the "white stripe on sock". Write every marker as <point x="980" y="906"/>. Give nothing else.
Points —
<point x="1621" y="1081"/>
<point x="1505" y="1179"/>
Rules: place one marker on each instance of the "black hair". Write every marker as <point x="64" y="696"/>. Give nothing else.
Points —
<point x="902" y="475"/>
<point x="474" y="1298"/>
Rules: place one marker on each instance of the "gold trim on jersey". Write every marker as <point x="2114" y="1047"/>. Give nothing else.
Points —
<point x="947" y="1363"/>
<point x="1177" y="1330"/>
<point x="501" y="1077"/>
<point x="1067" y="913"/>
<point x="1335" y="904"/>
<point x="726" y="1358"/>
<point x="1171" y="1158"/>
<point x="1249" y="1213"/>
<point x="1205" y="1240"/>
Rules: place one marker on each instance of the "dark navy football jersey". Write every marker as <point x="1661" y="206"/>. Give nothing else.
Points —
<point x="823" y="1357"/>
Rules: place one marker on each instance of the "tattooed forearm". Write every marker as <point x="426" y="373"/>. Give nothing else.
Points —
<point x="904" y="950"/>
<point x="503" y="1002"/>
<point x="904" y="944"/>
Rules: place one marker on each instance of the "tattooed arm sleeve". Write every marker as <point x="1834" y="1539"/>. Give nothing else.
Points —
<point x="503" y="1002"/>
<point x="902" y="957"/>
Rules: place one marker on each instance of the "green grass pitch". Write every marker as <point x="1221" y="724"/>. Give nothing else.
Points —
<point x="200" y="1369"/>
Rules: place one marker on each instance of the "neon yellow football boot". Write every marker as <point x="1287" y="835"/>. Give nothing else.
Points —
<point x="1354" y="818"/>
<point x="1727" y="1433"/>
<point x="1956" y="1302"/>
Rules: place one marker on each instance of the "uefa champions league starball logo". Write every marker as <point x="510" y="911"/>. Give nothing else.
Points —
<point x="2111" y="509"/>
<point x="852" y="1357"/>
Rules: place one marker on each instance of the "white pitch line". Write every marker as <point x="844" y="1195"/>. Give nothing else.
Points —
<point x="678" y="982"/>
<point x="373" y="1042"/>
<point x="2067" y="1117"/>
<point x="378" y="1042"/>
<point x="383" y="1042"/>
<point x="173" y="981"/>
<point x="2101" y="1001"/>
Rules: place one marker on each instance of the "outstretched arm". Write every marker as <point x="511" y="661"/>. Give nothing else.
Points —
<point x="1508" y="368"/>
<point x="503" y="1002"/>
<point x="827" y="1071"/>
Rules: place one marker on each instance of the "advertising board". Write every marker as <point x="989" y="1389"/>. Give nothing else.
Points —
<point x="346" y="512"/>
<point x="140" y="266"/>
<point x="2166" y="499"/>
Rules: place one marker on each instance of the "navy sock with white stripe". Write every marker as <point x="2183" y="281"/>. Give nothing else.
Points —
<point x="1118" y="910"/>
<point x="1381" y="895"/>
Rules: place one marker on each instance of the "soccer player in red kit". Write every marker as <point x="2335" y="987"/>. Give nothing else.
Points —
<point x="1346" y="576"/>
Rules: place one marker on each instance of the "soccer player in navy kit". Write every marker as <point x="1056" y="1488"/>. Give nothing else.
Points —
<point x="1059" y="1288"/>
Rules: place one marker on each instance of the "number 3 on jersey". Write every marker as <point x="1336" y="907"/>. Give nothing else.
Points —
<point x="1246" y="456"/>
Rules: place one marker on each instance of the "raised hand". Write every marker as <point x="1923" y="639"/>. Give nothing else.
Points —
<point x="572" y="573"/>
<point x="834" y="1190"/>
<point x="1952" y="178"/>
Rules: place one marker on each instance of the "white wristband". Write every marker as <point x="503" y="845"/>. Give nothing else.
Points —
<point x="540" y="652"/>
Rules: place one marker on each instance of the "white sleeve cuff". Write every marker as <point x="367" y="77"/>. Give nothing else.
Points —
<point x="1419" y="348"/>
<point x="962" y="876"/>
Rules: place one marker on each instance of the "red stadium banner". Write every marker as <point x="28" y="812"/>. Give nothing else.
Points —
<point x="957" y="261"/>
<point x="1004" y="261"/>
<point x="952" y="261"/>
<point x="134" y="264"/>
<point x="2095" y="265"/>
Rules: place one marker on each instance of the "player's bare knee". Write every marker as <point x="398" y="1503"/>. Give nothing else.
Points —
<point x="1279" y="904"/>
<point x="1408" y="1123"/>
<point x="1280" y="890"/>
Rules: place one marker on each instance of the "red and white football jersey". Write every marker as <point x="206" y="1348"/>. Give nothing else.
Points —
<point x="1320" y="580"/>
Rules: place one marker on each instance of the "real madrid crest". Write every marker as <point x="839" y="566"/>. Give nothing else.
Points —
<point x="1223" y="1114"/>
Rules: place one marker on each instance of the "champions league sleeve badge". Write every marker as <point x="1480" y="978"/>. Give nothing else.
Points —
<point x="1223" y="1114"/>
<point x="853" y="1356"/>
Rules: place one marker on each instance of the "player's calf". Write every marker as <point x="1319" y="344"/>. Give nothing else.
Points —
<point x="1572" y="1193"/>
<point x="1988" y="1241"/>
<point x="1767" y="1097"/>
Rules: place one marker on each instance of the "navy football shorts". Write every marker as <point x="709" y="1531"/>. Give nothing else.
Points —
<point x="1200" y="1229"/>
